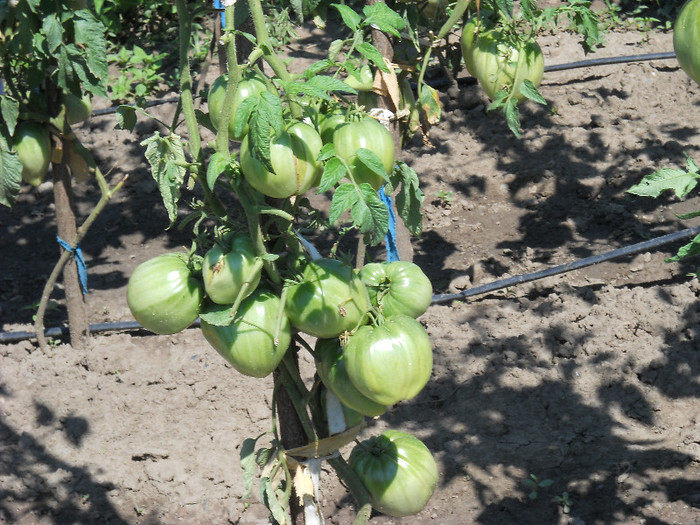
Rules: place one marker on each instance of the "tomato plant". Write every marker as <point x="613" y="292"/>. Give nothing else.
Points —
<point x="256" y="341"/>
<point x="390" y="362"/>
<point x="330" y="365"/>
<point x="398" y="287"/>
<point x="398" y="470"/>
<point x="164" y="295"/>
<point x="33" y="146"/>
<point x="686" y="39"/>
<point x="227" y="266"/>
<point x="293" y="159"/>
<point x="330" y="299"/>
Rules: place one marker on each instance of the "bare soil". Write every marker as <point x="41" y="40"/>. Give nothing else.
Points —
<point x="590" y="379"/>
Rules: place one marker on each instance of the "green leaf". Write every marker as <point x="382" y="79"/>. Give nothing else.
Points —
<point x="350" y="17"/>
<point x="691" y="215"/>
<point x="276" y="507"/>
<point x="243" y="112"/>
<point x="218" y="164"/>
<point x="327" y="151"/>
<point x="10" y="177"/>
<point x="654" y="184"/>
<point x="506" y="7"/>
<point x="372" y="54"/>
<point x="263" y="456"/>
<point x="372" y="162"/>
<point x="126" y="117"/>
<point x="248" y="465"/>
<point x="330" y="84"/>
<point x="9" y="109"/>
<point x="333" y="172"/>
<point x="344" y="198"/>
<point x="371" y="214"/>
<point x="689" y="250"/>
<point x="430" y="104"/>
<point x="90" y="36"/>
<point x="166" y="156"/>
<point x="690" y="164"/>
<point x="53" y="30"/>
<point x="409" y="200"/>
<point x="513" y="116"/>
<point x="318" y="67"/>
<point x="529" y="90"/>
<point x="384" y="18"/>
<point x="217" y="314"/>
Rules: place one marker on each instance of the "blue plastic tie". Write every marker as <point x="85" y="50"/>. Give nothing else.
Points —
<point x="82" y="267"/>
<point x="218" y="6"/>
<point x="392" y="251"/>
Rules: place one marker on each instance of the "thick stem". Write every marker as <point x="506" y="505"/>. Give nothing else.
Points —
<point x="67" y="230"/>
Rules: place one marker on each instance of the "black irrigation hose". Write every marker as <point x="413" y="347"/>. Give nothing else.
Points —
<point x="568" y="267"/>
<point x="13" y="337"/>
<point x="438" y="82"/>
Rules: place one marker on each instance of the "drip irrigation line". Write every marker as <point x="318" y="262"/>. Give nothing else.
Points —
<point x="568" y="267"/>
<point x="14" y="337"/>
<point x="149" y="104"/>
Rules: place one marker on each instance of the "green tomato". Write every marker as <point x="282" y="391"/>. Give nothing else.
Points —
<point x="225" y="269"/>
<point x="293" y="158"/>
<point x="330" y="366"/>
<point x="469" y="34"/>
<point x="33" y="146"/>
<point x="499" y="64"/>
<point x="390" y="362"/>
<point x="398" y="471"/>
<point x="361" y="79"/>
<point x="369" y="134"/>
<point x="329" y="123"/>
<point x="329" y="300"/>
<point x="249" y="86"/>
<point x="686" y="39"/>
<point x="398" y="287"/>
<point x="77" y="109"/>
<point x="163" y="295"/>
<point x="252" y="344"/>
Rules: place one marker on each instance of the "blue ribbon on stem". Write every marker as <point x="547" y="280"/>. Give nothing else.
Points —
<point x="392" y="251"/>
<point x="78" y="255"/>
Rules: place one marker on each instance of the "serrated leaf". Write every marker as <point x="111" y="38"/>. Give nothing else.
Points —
<point x="350" y="17"/>
<point x="243" y="112"/>
<point x="384" y="18"/>
<point x="513" y="116"/>
<point x="372" y="162"/>
<point x="330" y="84"/>
<point x="371" y="214"/>
<point x="126" y="117"/>
<point x="344" y="198"/>
<point x="409" y="200"/>
<point x="217" y="314"/>
<point x="9" y="109"/>
<point x="218" y="164"/>
<point x="10" y="177"/>
<point x="319" y="67"/>
<point x="689" y="250"/>
<point x="270" y="108"/>
<point x="529" y="90"/>
<point x="333" y="171"/>
<point x="654" y="184"/>
<point x="90" y="36"/>
<point x="248" y="465"/>
<point x="690" y="165"/>
<point x="372" y="54"/>
<point x="334" y="49"/>
<point x="327" y="151"/>
<point x="166" y="156"/>
<point x="430" y="104"/>
<point x="53" y="30"/>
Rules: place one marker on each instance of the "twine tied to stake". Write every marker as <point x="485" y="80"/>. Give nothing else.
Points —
<point x="78" y="256"/>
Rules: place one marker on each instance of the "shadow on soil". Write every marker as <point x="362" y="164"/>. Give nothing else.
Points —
<point x="42" y="483"/>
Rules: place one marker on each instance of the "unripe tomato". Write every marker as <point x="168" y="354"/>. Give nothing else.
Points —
<point x="398" y="471"/>
<point x="362" y="78"/>
<point x="252" y="344"/>
<point x="77" y="109"/>
<point x="390" y="362"/>
<point x="369" y="134"/>
<point x="249" y="86"/>
<point x="398" y="287"/>
<point x="330" y="366"/>
<point x="499" y="64"/>
<point x="329" y="300"/>
<point x="225" y="269"/>
<point x="163" y="295"/>
<point x="33" y="146"/>
<point x="686" y="39"/>
<point x="294" y="166"/>
<point x="329" y="123"/>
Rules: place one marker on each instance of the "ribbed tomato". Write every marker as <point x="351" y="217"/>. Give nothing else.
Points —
<point x="227" y="266"/>
<point x="390" y="362"/>
<point x="249" y="86"/>
<point x="686" y="39"/>
<point x="398" y="471"/>
<point x="254" y="344"/>
<point x="398" y="287"/>
<point x="368" y="134"/>
<point x="164" y="295"/>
